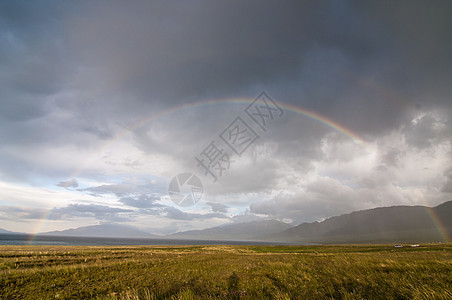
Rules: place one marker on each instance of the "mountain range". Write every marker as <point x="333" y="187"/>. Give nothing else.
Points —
<point x="3" y="231"/>
<point x="396" y="224"/>
<point x="256" y="230"/>
<point x="399" y="224"/>
<point x="104" y="230"/>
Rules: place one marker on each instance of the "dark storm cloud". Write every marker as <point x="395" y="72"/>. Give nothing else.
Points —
<point x="35" y="70"/>
<point x="176" y="214"/>
<point x="391" y="157"/>
<point x="140" y="201"/>
<point x="224" y="48"/>
<point x="32" y="56"/>
<point x="422" y="31"/>
<point x="426" y="131"/>
<point x="343" y="59"/>
<point x="246" y="217"/>
<point x="144" y="196"/>
<point x="72" y="211"/>
<point x="20" y="213"/>
<point x="360" y="64"/>
<point x="100" y="212"/>
<point x="127" y="189"/>
<point x="447" y="186"/>
<point x="314" y="54"/>
<point x="218" y="207"/>
<point x="194" y="50"/>
<point x="115" y="189"/>
<point x="36" y="81"/>
<point x="307" y="207"/>
<point x="69" y="184"/>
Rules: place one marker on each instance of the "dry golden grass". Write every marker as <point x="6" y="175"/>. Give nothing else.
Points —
<point x="226" y="272"/>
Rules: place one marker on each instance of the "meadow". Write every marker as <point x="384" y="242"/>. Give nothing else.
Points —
<point x="226" y="272"/>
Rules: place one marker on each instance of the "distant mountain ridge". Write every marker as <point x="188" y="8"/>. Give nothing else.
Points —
<point x="397" y="224"/>
<point x="103" y="230"/>
<point x="4" y="231"/>
<point x="255" y="230"/>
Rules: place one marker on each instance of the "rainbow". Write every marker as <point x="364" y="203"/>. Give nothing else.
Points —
<point x="244" y="101"/>
<point x="289" y="107"/>
<point x="44" y="215"/>
<point x="442" y="230"/>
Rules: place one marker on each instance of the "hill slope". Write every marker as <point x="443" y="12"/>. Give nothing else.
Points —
<point x="386" y="224"/>
<point x="104" y="230"/>
<point x="4" y="231"/>
<point x="242" y="231"/>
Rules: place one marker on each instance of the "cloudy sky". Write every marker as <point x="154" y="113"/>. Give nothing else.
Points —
<point x="102" y="103"/>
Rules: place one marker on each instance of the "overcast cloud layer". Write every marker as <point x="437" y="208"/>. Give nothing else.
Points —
<point x="93" y="125"/>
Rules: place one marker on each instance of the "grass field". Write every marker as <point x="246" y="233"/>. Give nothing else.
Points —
<point x="226" y="272"/>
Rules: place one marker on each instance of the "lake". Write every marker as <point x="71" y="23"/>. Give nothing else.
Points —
<point x="22" y="239"/>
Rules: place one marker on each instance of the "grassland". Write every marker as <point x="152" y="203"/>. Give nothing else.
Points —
<point x="226" y="272"/>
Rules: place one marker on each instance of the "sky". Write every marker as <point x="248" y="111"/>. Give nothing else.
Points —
<point x="294" y="111"/>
